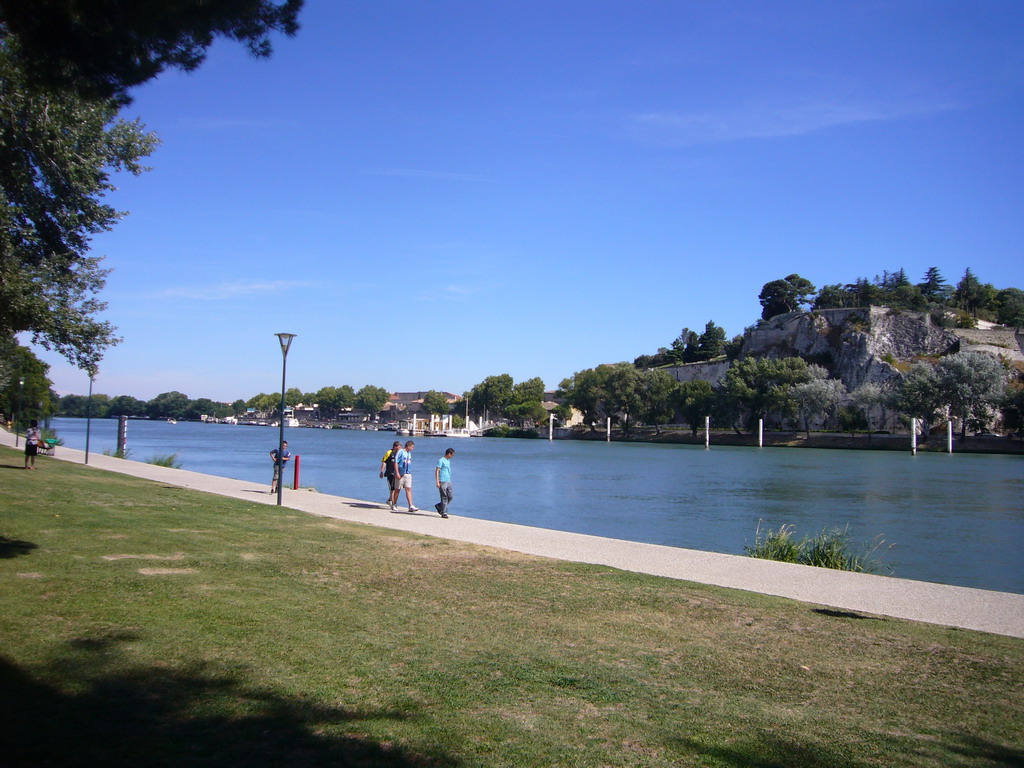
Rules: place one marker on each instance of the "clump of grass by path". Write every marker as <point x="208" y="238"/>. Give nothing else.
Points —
<point x="148" y="625"/>
<point x="828" y="549"/>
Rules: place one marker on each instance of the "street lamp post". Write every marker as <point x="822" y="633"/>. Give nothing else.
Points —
<point x="21" y="410"/>
<point x="286" y="342"/>
<point x="88" y="418"/>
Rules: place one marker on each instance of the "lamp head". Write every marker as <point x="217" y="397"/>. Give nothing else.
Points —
<point x="286" y="341"/>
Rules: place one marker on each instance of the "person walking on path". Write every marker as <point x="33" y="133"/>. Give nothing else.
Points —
<point x="403" y="465"/>
<point x="32" y="438"/>
<point x="443" y="481"/>
<point x="286" y="455"/>
<point x="387" y="471"/>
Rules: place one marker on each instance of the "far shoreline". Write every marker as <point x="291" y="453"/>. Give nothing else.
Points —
<point x="934" y="443"/>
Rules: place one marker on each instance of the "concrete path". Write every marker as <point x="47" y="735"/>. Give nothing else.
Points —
<point x="983" y="610"/>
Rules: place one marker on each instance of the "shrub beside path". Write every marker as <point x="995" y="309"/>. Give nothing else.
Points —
<point x="976" y="609"/>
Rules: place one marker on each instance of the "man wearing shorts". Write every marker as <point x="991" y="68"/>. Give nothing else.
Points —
<point x="403" y="463"/>
<point x="387" y="470"/>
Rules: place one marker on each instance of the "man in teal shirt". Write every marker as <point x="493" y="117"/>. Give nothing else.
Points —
<point x="443" y="481"/>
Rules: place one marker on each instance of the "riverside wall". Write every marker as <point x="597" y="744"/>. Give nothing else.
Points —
<point x="934" y="443"/>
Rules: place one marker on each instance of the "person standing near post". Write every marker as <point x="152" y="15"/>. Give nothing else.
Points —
<point x="387" y="470"/>
<point x="403" y="465"/>
<point x="285" y="457"/>
<point x="32" y="438"/>
<point x="443" y="481"/>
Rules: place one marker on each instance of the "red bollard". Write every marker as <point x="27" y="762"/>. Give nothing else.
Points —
<point x="295" y="486"/>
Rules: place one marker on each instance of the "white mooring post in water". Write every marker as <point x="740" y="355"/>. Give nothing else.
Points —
<point x="608" y="431"/>
<point x="913" y="437"/>
<point x="551" y="421"/>
<point x="949" y="436"/>
<point x="707" y="432"/>
<point x="760" y="433"/>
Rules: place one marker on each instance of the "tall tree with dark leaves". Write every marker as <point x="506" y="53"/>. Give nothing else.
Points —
<point x="57" y="153"/>
<point x="103" y="48"/>
<point x="789" y="294"/>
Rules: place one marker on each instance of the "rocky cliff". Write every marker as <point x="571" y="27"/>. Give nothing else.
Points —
<point x="856" y="345"/>
<point x="866" y="344"/>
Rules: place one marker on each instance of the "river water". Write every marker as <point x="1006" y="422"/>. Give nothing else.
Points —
<point x="951" y="519"/>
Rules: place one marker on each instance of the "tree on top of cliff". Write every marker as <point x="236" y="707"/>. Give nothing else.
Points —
<point x="789" y="294"/>
<point x="934" y="287"/>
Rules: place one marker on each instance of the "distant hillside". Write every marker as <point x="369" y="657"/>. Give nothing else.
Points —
<point x="866" y="344"/>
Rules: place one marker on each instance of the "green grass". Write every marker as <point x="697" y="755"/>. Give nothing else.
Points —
<point x="144" y="624"/>
<point x="828" y="549"/>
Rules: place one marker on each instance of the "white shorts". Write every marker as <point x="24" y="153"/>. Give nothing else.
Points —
<point x="405" y="482"/>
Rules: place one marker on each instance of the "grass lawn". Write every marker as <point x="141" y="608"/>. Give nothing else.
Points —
<point x="146" y="625"/>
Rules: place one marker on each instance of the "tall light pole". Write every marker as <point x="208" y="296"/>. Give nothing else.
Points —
<point x="21" y="410"/>
<point x="286" y="342"/>
<point x="88" y="417"/>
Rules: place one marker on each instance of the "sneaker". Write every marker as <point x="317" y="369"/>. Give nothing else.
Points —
<point x="414" y="509"/>
<point x="393" y="507"/>
<point x="444" y="515"/>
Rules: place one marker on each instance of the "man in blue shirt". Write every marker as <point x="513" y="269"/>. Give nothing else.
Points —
<point x="443" y="480"/>
<point x="403" y="470"/>
<point x="285" y="456"/>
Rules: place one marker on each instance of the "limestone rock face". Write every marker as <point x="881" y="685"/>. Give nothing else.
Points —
<point x="712" y="371"/>
<point x="854" y="344"/>
<point x="994" y="340"/>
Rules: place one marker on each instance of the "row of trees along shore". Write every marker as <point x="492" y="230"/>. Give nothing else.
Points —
<point x="496" y="397"/>
<point x="174" y="405"/>
<point x="971" y="387"/>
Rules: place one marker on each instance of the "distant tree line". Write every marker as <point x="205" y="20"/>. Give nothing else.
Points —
<point x="495" y="398"/>
<point x="969" y="387"/>
<point x="174" y="405"/>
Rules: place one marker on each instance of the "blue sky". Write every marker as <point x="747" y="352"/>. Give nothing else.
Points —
<point x="432" y="193"/>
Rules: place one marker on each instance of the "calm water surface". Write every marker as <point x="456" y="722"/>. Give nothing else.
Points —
<point x="952" y="519"/>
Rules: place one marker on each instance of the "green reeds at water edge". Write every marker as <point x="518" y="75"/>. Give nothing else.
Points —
<point x="828" y="549"/>
<point x="171" y="460"/>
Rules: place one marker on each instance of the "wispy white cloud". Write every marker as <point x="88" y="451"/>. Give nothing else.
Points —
<point x="764" y="121"/>
<point x="460" y="290"/>
<point x="413" y="173"/>
<point x="238" y="289"/>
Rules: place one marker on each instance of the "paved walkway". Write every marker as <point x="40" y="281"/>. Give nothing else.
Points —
<point x="987" y="611"/>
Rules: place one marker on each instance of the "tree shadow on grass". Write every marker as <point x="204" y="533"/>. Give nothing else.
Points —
<point x="996" y="754"/>
<point x="767" y="752"/>
<point x="15" y="547"/>
<point x="160" y="717"/>
<point x="771" y="751"/>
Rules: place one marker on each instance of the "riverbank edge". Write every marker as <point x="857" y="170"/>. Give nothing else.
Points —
<point x="931" y="444"/>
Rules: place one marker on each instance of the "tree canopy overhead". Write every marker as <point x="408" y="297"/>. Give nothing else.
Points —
<point x="57" y="152"/>
<point x="66" y="67"/>
<point x="103" y="48"/>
